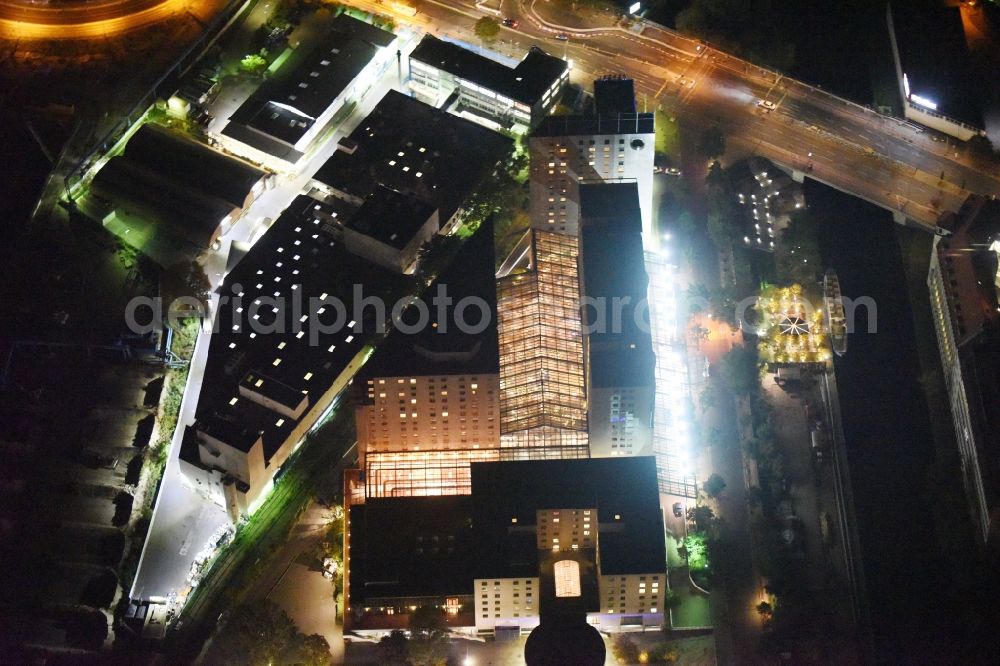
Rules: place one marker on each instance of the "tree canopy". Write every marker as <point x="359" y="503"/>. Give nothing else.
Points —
<point x="487" y="28"/>
<point x="739" y="370"/>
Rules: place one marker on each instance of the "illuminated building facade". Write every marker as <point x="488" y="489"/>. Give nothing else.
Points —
<point x="418" y="432"/>
<point x="963" y="281"/>
<point x="481" y="87"/>
<point x="569" y="150"/>
<point x="543" y="398"/>
<point x="497" y="560"/>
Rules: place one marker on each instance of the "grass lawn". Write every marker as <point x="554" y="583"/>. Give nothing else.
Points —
<point x="667" y="136"/>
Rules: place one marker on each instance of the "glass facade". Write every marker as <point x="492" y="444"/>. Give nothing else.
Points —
<point x="543" y="401"/>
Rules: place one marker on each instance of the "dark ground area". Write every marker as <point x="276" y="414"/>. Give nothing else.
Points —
<point x="926" y="602"/>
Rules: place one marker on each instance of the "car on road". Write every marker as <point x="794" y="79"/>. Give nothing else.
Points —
<point x="678" y="510"/>
<point x="511" y="22"/>
<point x="562" y="36"/>
<point x="764" y="104"/>
<point x="685" y="81"/>
<point x="672" y="171"/>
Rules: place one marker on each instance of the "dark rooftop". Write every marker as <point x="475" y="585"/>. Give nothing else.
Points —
<point x="624" y="487"/>
<point x="525" y="83"/>
<point x="193" y="164"/>
<point x="229" y="431"/>
<point x="442" y="347"/>
<point x="411" y="546"/>
<point x="611" y="207"/>
<point x="409" y="146"/>
<point x="285" y="107"/>
<point x="934" y="57"/>
<point x="272" y="389"/>
<point x="614" y="94"/>
<point x="617" y="123"/>
<point x="613" y="267"/>
<point x="189" y="214"/>
<point x="297" y="258"/>
<point x="390" y="217"/>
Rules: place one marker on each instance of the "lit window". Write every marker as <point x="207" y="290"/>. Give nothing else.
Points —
<point x="567" y="575"/>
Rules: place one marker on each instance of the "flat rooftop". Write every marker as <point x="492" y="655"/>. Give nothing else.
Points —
<point x="623" y="490"/>
<point x="411" y="546"/>
<point x="615" y="123"/>
<point x="409" y="146"/>
<point x="434" y="546"/>
<point x="934" y="57"/>
<point x="442" y="347"/>
<point x="613" y="271"/>
<point x="287" y="105"/>
<point x="296" y="260"/>
<point x="390" y="217"/>
<point x="613" y="95"/>
<point x="525" y="83"/>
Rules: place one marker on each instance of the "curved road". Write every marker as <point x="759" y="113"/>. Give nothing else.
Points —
<point x="82" y="20"/>
<point x="914" y="172"/>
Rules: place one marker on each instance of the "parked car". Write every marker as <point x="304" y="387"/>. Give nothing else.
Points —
<point x="562" y="37"/>
<point x="764" y="104"/>
<point x="511" y="22"/>
<point x="678" y="510"/>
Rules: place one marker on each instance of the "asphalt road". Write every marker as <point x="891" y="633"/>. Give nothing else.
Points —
<point x="31" y="20"/>
<point x="881" y="159"/>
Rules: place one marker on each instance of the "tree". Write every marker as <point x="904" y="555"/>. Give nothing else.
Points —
<point x="697" y="296"/>
<point x="487" y="29"/>
<point x="428" y="645"/>
<point x="625" y="649"/>
<point x="662" y="653"/>
<point x="714" y="485"/>
<point x="311" y="650"/>
<point x="184" y="288"/>
<point x="701" y="516"/>
<point x="256" y="633"/>
<point x="253" y="64"/>
<point x="696" y="551"/>
<point x="712" y="142"/>
<point x="799" y="260"/>
<point x="738" y="369"/>
<point x="764" y="610"/>
<point x="716" y="176"/>
<point x="394" y="649"/>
